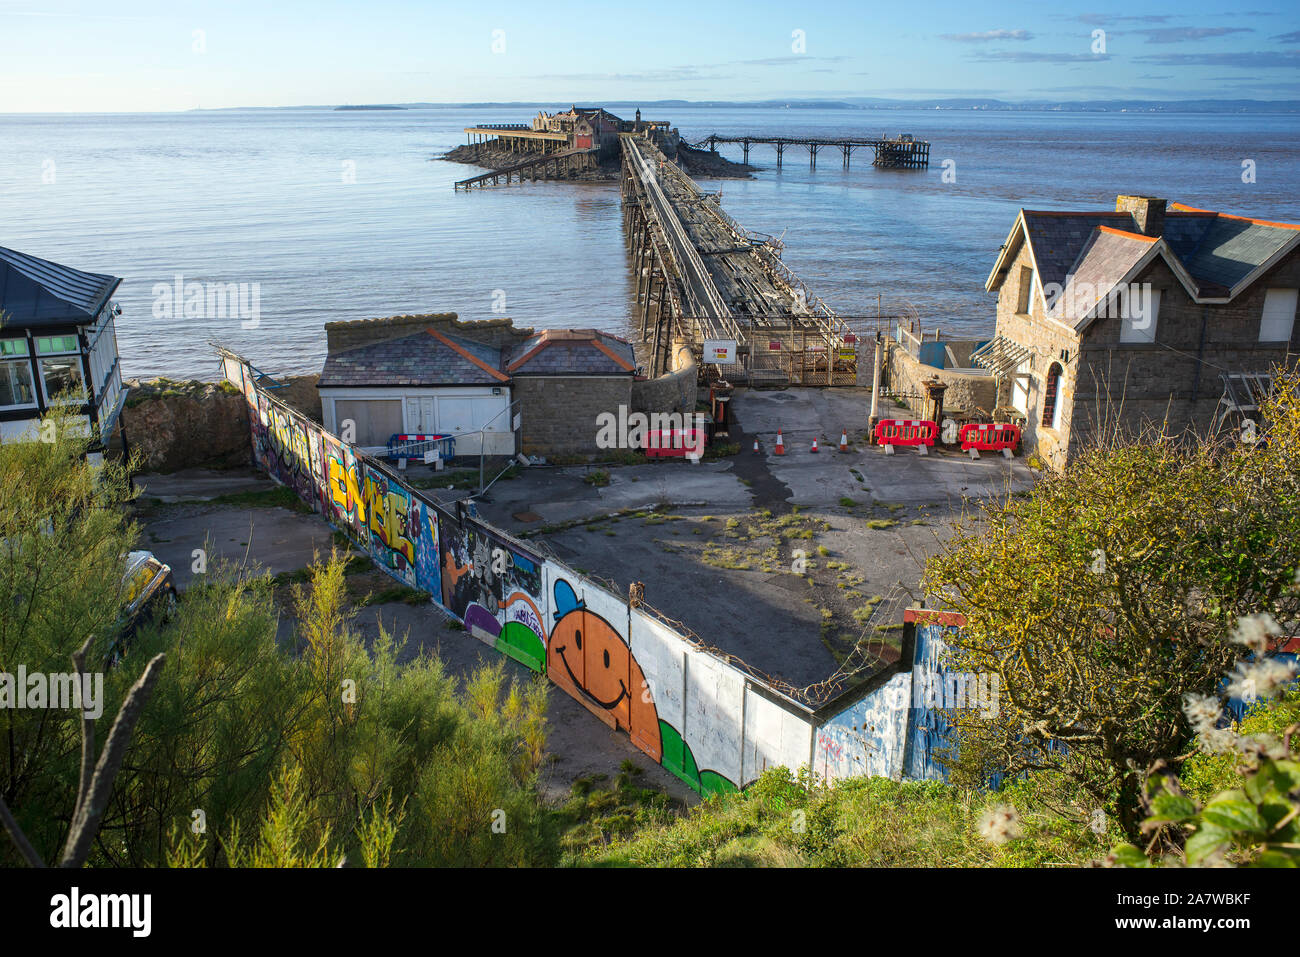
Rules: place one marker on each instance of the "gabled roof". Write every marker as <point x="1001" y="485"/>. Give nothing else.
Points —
<point x="1108" y="257"/>
<point x="36" y="292"/>
<point x="572" y="352"/>
<point x="1214" y="255"/>
<point x="427" y="358"/>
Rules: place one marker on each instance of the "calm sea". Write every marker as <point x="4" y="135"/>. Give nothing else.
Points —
<point x="347" y="215"/>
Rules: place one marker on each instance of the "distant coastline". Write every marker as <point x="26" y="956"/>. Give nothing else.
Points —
<point x="969" y="104"/>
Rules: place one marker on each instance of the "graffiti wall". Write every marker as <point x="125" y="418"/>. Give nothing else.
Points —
<point x="494" y="586"/>
<point x="393" y="533"/>
<point x="868" y="737"/>
<point x="344" y="506"/>
<point x="709" y="722"/>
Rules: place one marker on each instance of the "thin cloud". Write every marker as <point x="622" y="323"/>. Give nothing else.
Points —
<point x="1292" y="37"/>
<point x="1024" y="56"/>
<point x="1100" y="19"/>
<point x="1257" y="59"/>
<point x="1184" y="34"/>
<point x="988" y="35"/>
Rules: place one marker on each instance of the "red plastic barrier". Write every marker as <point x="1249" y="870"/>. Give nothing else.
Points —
<point x="906" y="432"/>
<point x="667" y="443"/>
<point x="989" y="436"/>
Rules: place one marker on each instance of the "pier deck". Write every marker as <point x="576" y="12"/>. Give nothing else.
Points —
<point x="537" y="167"/>
<point x="702" y="276"/>
<point x="900" y="153"/>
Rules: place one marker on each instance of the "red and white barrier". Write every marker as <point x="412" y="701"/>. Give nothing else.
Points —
<point x="979" y="437"/>
<point x="918" y="432"/>
<point x="674" y="443"/>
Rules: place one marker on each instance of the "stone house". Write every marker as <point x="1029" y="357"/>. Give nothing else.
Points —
<point x="1153" y="315"/>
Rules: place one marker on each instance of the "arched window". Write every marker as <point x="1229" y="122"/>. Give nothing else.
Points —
<point x="1052" y="397"/>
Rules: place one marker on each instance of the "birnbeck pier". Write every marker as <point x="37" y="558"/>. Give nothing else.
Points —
<point x="901" y="152"/>
<point x="705" y="282"/>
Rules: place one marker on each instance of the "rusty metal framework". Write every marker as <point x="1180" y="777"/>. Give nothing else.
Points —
<point x="700" y="276"/>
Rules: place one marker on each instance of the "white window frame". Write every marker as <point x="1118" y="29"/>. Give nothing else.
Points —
<point x="81" y="372"/>
<point x="1277" y="327"/>
<point x="1129" y="334"/>
<point x="26" y="361"/>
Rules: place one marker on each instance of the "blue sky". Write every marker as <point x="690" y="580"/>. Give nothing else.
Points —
<point x="147" y="55"/>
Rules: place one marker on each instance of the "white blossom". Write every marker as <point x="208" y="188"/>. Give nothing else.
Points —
<point x="1254" y="631"/>
<point x="1202" y="710"/>
<point x="999" y="824"/>
<point x="1217" y="740"/>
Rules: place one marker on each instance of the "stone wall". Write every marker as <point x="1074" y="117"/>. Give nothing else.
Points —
<point x="176" y="425"/>
<point x="559" y="413"/>
<point x="187" y="425"/>
<point x="675" y="391"/>
<point x="967" y="390"/>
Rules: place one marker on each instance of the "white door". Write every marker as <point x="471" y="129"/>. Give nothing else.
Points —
<point x="428" y="425"/>
<point x="456" y="415"/>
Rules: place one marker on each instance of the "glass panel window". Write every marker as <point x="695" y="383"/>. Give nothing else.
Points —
<point x="51" y="344"/>
<point x="13" y="347"/>
<point x="16" y="383"/>
<point x="62" y="374"/>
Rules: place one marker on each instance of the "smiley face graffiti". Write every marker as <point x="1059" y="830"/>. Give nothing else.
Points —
<point x="586" y="656"/>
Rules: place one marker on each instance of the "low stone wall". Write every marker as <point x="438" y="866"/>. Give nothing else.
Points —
<point x="967" y="390"/>
<point x="675" y="391"/>
<point x="175" y="425"/>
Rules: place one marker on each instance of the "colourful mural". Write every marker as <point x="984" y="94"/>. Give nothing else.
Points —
<point x="702" y="718"/>
<point x="428" y="556"/>
<point x="392" y="538"/>
<point x="495" y="588"/>
<point x="588" y="658"/>
<point x="344" y="505"/>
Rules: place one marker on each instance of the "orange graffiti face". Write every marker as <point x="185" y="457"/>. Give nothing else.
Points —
<point x="586" y="657"/>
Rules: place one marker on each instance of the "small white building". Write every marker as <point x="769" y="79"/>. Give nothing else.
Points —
<point x="58" y="346"/>
<point x="425" y="382"/>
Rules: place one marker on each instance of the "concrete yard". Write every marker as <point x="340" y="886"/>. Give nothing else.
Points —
<point x="787" y="562"/>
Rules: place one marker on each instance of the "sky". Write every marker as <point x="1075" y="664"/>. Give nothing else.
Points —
<point x="166" y="55"/>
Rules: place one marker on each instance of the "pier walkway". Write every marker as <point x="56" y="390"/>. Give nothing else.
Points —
<point x="539" y="166"/>
<point x="900" y="153"/>
<point x="703" y="278"/>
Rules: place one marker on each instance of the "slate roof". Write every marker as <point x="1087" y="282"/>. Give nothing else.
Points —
<point x="1106" y="259"/>
<point x="1213" y="253"/>
<point x="1230" y="247"/>
<point x="572" y="352"/>
<point x="36" y="292"/>
<point x="1057" y="239"/>
<point x="427" y="358"/>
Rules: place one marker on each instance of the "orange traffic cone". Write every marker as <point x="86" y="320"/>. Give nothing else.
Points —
<point x="780" y="443"/>
<point x="844" y="440"/>
<point x="814" y="448"/>
<point x="756" y="445"/>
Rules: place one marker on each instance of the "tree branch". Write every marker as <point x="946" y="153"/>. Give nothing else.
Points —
<point x="91" y="810"/>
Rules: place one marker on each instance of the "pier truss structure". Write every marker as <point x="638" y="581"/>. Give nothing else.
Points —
<point x="701" y="277"/>
<point x="900" y="153"/>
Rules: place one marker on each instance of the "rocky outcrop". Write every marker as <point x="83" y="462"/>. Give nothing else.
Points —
<point x="177" y="425"/>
